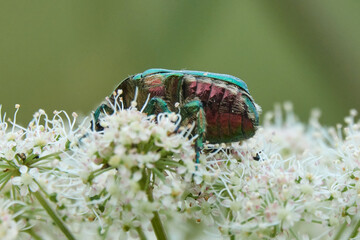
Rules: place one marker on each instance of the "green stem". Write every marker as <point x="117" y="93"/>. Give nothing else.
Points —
<point x="274" y="231"/>
<point x="141" y="233"/>
<point x="339" y="234"/>
<point x="33" y="234"/>
<point x="355" y="231"/>
<point x="158" y="227"/>
<point x="155" y="221"/>
<point x="98" y="172"/>
<point x="53" y="215"/>
<point x="4" y="181"/>
<point x="231" y="217"/>
<point x="35" y="160"/>
<point x="292" y="232"/>
<point x="313" y="221"/>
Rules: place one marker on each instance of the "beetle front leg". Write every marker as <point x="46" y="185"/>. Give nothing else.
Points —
<point x="195" y="110"/>
<point x="156" y="104"/>
<point x="95" y="123"/>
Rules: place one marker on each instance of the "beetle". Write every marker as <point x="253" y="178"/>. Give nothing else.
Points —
<point x="220" y="105"/>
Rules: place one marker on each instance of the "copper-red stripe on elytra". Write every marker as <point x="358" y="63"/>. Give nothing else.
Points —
<point x="203" y="90"/>
<point x="190" y="89"/>
<point x="247" y="127"/>
<point x="155" y="86"/>
<point x="233" y="120"/>
<point x="156" y="91"/>
<point x="224" y="110"/>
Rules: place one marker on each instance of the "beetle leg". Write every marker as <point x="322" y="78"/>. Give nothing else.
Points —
<point x="95" y="123"/>
<point x="156" y="104"/>
<point x="195" y="110"/>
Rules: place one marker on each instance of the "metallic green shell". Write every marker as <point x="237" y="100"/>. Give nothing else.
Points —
<point x="223" y="77"/>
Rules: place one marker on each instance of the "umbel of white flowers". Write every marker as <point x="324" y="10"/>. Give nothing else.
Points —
<point x="137" y="179"/>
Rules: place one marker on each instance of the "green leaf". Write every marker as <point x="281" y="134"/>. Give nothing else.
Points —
<point x="158" y="174"/>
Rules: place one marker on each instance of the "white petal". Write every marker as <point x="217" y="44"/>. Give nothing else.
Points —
<point x="212" y="200"/>
<point x="16" y="181"/>
<point x="137" y="176"/>
<point x="34" y="187"/>
<point x="24" y="190"/>
<point x="348" y="219"/>
<point x="198" y="179"/>
<point x="23" y="169"/>
<point x="34" y="172"/>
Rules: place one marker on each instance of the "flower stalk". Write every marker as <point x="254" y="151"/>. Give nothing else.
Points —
<point x="53" y="216"/>
<point x="141" y="233"/>
<point x="355" y="231"/>
<point x="156" y="221"/>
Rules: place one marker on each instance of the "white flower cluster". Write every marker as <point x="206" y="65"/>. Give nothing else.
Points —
<point x="307" y="178"/>
<point x="133" y="168"/>
<point x="137" y="178"/>
<point x="9" y="227"/>
<point x="106" y="184"/>
<point x="27" y="161"/>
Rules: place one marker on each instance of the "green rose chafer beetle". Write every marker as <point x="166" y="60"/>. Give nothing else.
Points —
<point x="220" y="105"/>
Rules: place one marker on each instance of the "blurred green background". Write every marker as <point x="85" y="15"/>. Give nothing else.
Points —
<point x="71" y="54"/>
